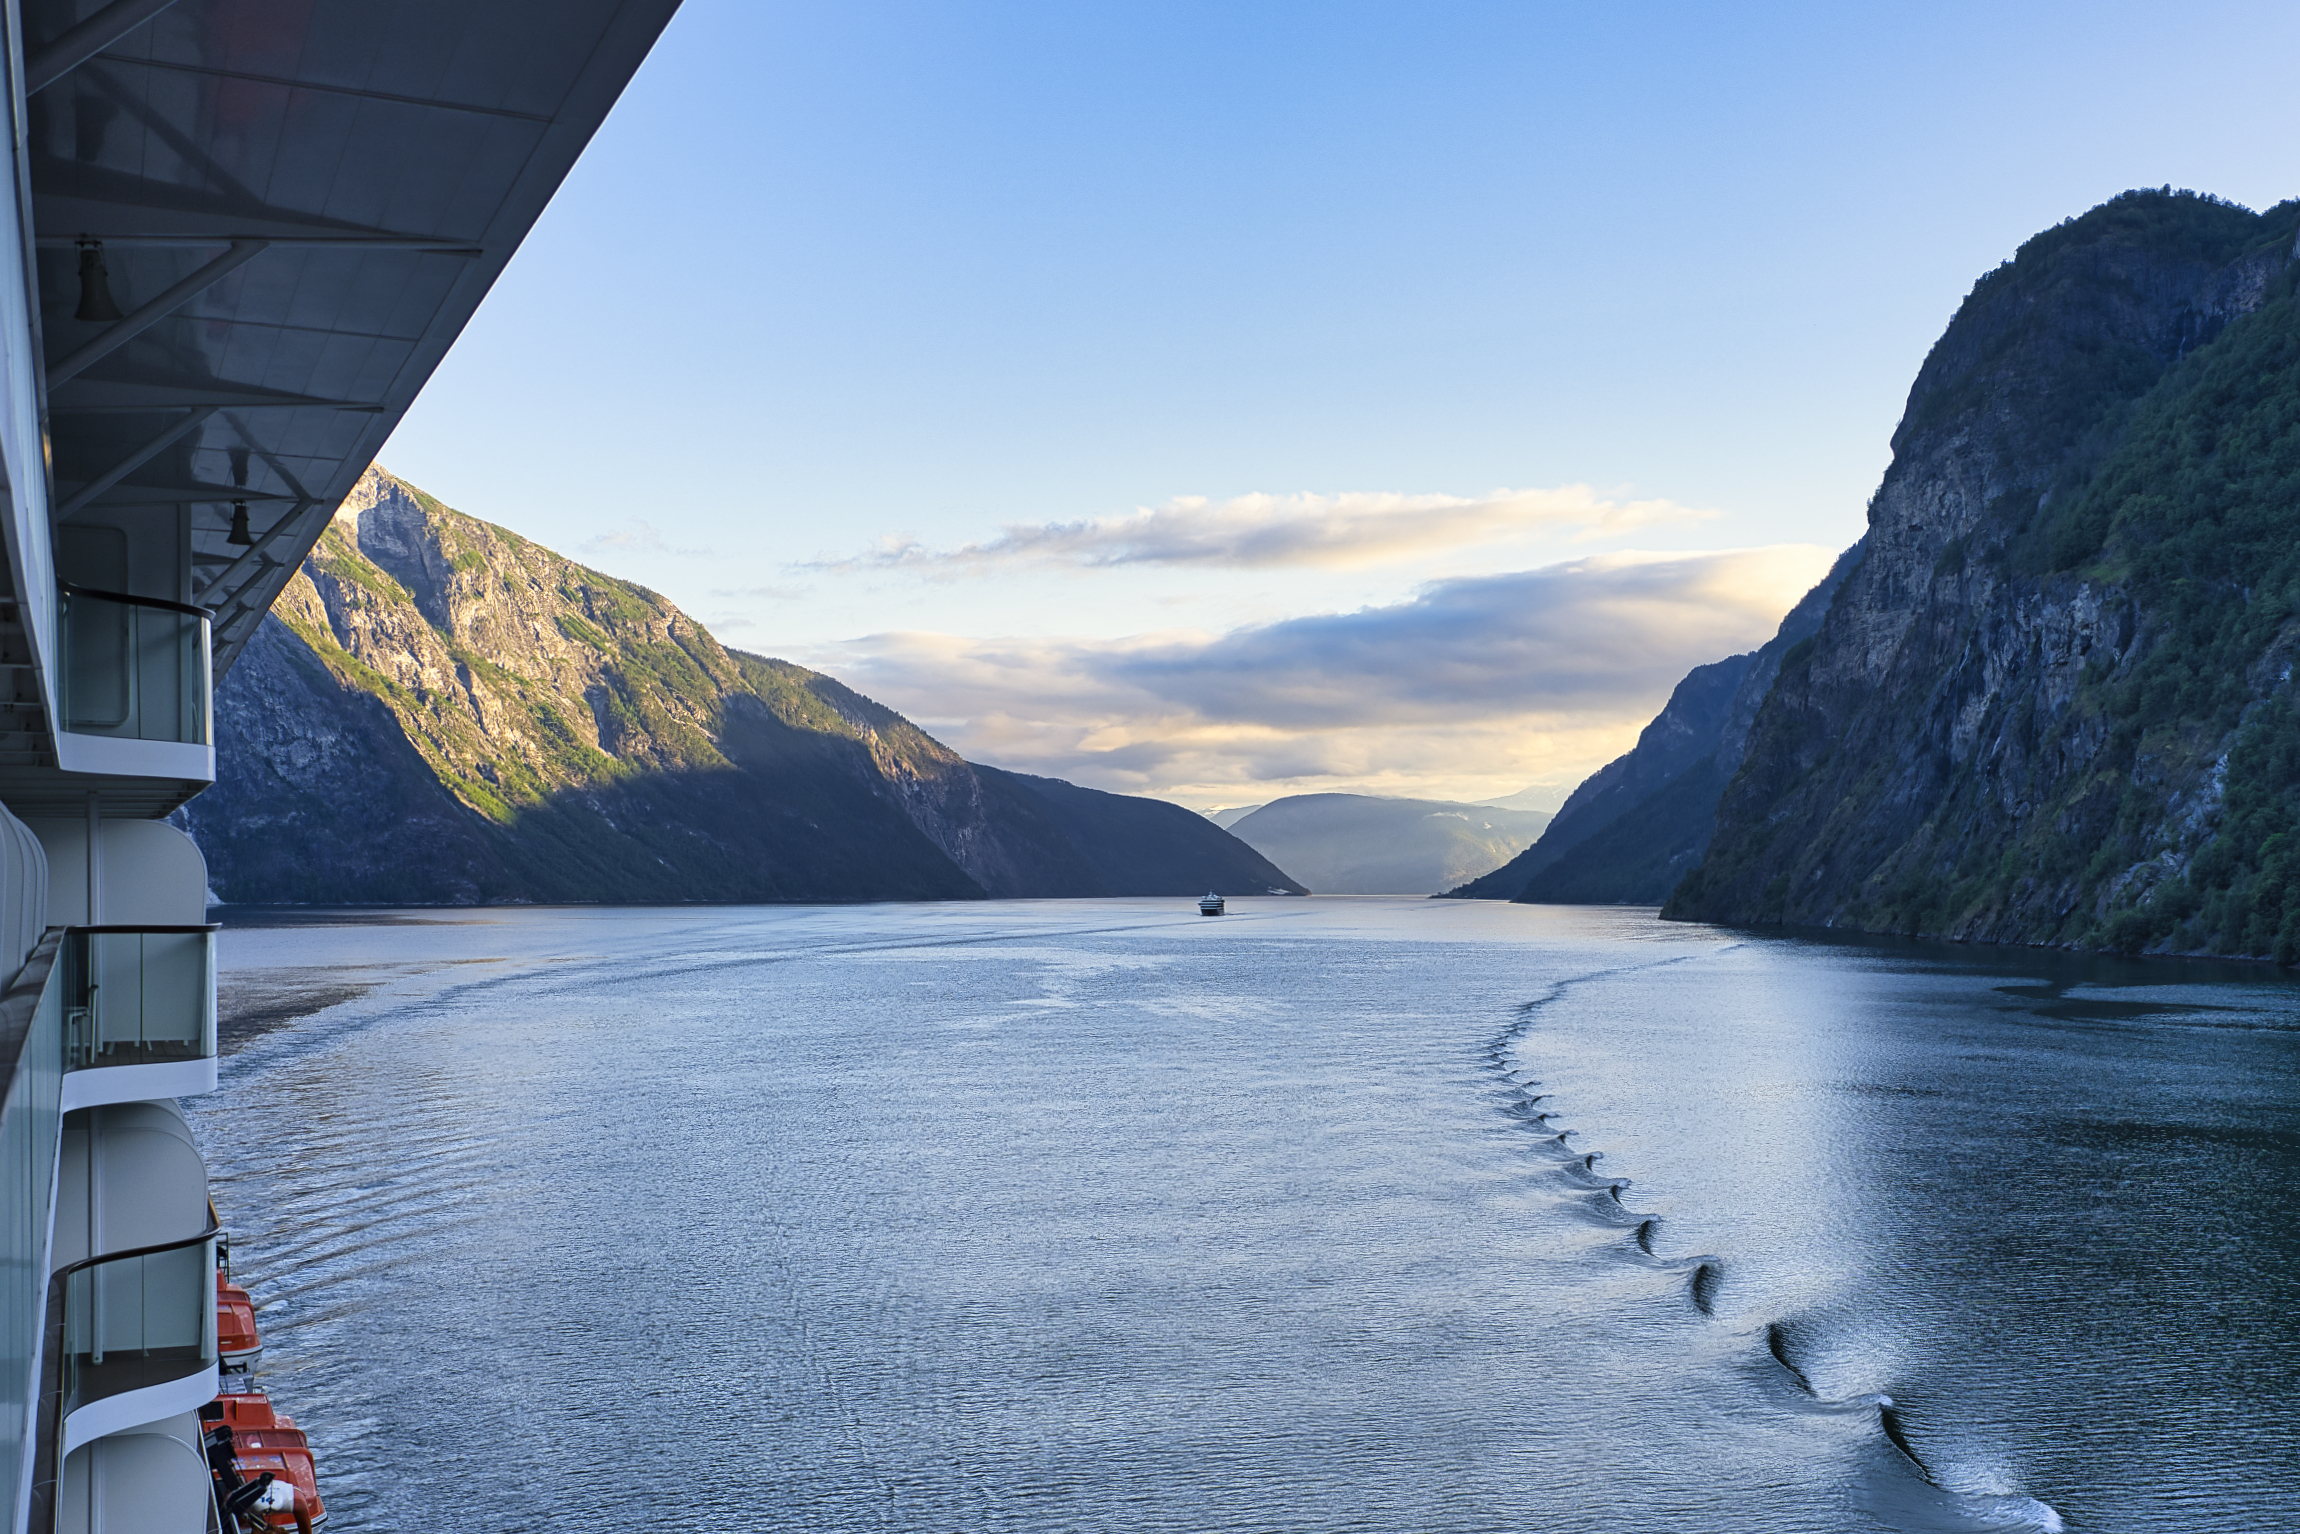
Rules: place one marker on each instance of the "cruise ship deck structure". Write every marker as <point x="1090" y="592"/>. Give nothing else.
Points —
<point x="240" y="235"/>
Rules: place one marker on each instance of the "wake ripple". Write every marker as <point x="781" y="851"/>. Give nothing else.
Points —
<point x="1908" y="1493"/>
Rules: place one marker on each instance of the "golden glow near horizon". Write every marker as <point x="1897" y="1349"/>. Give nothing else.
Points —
<point x="1471" y="687"/>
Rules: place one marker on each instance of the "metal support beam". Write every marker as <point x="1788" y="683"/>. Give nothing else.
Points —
<point x="219" y="398"/>
<point x="416" y="243"/>
<point x="142" y="497"/>
<point x="209" y="72"/>
<point x="134" y="461"/>
<point x="143" y="319"/>
<point x="248" y="570"/>
<point x="133" y="209"/>
<point x="255" y="556"/>
<point x="271" y="459"/>
<point x="81" y="43"/>
<point x="196" y="149"/>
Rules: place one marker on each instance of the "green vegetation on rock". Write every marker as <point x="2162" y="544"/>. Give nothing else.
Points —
<point x="439" y="711"/>
<point x="2195" y="518"/>
<point x="2054" y="704"/>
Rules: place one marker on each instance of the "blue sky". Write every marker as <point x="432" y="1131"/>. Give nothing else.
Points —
<point x="962" y="348"/>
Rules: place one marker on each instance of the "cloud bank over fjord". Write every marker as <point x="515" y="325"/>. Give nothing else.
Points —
<point x="1489" y="682"/>
<point x="1351" y="530"/>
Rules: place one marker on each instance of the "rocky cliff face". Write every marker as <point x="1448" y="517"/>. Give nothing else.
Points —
<point x="1681" y="736"/>
<point x="1640" y="823"/>
<point x="439" y="711"/>
<point x="2053" y="697"/>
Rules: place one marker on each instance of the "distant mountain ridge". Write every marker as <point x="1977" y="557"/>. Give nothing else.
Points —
<point x="1534" y="799"/>
<point x="441" y="712"/>
<point x="1362" y="844"/>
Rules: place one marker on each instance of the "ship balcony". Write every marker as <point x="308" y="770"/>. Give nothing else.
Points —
<point x="135" y="686"/>
<point x="138" y="1337"/>
<point x="137" y="1483"/>
<point x="129" y="1337"/>
<point x="139" y="1014"/>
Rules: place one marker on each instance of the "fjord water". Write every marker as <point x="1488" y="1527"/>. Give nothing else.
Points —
<point x="1326" y="1215"/>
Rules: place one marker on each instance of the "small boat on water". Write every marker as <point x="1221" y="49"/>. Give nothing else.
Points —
<point x="1211" y="905"/>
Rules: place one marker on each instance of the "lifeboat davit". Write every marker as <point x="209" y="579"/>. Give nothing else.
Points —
<point x="237" y="1342"/>
<point x="246" y="1440"/>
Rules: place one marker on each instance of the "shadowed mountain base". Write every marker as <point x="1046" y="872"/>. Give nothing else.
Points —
<point x="443" y="713"/>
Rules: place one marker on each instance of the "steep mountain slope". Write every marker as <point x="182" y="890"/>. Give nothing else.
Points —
<point x="1681" y="736"/>
<point x="2053" y="703"/>
<point x="1360" y="844"/>
<point x="442" y="712"/>
<point x="1638" y="824"/>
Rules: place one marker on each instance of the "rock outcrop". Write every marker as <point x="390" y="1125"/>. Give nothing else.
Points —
<point x="1640" y="823"/>
<point x="2052" y="703"/>
<point x="440" y="712"/>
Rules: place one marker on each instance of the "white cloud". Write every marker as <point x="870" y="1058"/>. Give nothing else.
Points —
<point x="1487" y="684"/>
<point x="1272" y="531"/>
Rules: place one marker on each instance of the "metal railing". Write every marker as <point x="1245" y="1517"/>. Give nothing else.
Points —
<point x="135" y="1319"/>
<point x="136" y="668"/>
<point x="138" y="995"/>
<point x="32" y="1071"/>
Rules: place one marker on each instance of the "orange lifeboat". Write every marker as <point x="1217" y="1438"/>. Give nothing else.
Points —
<point x="248" y="1410"/>
<point x="237" y="1342"/>
<point x="246" y="1439"/>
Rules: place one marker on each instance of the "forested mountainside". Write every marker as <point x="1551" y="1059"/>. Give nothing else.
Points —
<point x="1640" y="823"/>
<point x="441" y="712"/>
<point x="2053" y="703"/>
<point x="1366" y="844"/>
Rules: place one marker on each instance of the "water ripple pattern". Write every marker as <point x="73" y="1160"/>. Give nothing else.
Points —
<point x="1329" y="1215"/>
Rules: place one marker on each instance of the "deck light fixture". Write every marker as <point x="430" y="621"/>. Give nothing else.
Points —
<point x="240" y="533"/>
<point x="95" y="286"/>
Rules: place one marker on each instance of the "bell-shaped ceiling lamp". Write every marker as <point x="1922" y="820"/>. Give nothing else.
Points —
<point x="95" y="286"/>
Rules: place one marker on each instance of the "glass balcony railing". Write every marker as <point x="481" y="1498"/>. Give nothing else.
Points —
<point x="138" y="995"/>
<point x="135" y="668"/>
<point x="138" y="1318"/>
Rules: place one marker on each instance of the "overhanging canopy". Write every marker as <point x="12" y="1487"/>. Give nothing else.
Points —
<point x="301" y="203"/>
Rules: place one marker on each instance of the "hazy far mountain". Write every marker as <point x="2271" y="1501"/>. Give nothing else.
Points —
<point x="1537" y="800"/>
<point x="1230" y="815"/>
<point x="1358" y="844"/>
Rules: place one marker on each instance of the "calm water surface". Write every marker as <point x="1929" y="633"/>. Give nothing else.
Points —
<point x="1328" y="1215"/>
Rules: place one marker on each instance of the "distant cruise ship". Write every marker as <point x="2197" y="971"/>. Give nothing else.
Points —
<point x="241" y="235"/>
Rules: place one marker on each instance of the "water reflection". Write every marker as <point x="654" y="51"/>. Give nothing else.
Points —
<point x="1330" y="1215"/>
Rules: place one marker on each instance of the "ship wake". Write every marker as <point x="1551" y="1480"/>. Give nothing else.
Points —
<point x="1900" y="1486"/>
